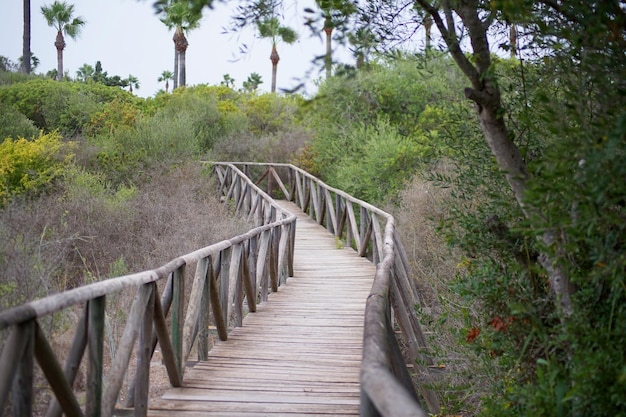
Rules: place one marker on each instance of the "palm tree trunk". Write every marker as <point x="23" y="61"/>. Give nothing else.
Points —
<point x="183" y="69"/>
<point x="26" y="60"/>
<point x="60" y="45"/>
<point x="175" y="70"/>
<point x="428" y="24"/>
<point x="329" y="51"/>
<point x="182" y="52"/>
<point x="274" y="58"/>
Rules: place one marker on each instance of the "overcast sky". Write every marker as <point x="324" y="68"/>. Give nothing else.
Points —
<point x="128" y="38"/>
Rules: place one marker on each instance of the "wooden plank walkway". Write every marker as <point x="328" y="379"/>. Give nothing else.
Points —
<point x="299" y="354"/>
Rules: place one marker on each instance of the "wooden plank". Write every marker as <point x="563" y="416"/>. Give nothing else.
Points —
<point x="301" y="351"/>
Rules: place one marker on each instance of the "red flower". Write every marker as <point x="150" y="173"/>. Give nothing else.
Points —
<point x="500" y="325"/>
<point x="472" y="334"/>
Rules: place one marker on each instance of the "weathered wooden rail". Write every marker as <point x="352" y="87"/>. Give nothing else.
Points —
<point x="386" y="386"/>
<point x="227" y="275"/>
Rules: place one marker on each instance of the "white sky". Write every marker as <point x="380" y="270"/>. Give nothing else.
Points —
<point x="128" y="38"/>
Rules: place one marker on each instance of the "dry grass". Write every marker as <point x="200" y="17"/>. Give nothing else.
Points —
<point x="280" y="147"/>
<point x="442" y="312"/>
<point x="69" y="239"/>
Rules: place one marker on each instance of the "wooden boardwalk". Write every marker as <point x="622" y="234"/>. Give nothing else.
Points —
<point x="299" y="354"/>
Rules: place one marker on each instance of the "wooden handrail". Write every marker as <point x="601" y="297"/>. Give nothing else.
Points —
<point x="386" y="387"/>
<point x="226" y="274"/>
<point x="244" y="267"/>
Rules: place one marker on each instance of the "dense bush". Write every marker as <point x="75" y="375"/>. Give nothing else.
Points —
<point x="368" y="125"/>
<point x="14" y="124"/>
<point x="31" y="166"/>
<point x="62" y="106"/>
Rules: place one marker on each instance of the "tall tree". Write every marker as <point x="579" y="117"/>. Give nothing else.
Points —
<point x="133" y="82"/>
<point x="334" y="13"/>
<point x="182" y="17"/>
<point x="252" y="83"/>
<point x="60" y="16"/>
<point x="270" y="27"/>
<point x="85" y="73"/>
<point x="26" y="52"/>
<point x="567" y="204"/>
<point x="166" y="76"/>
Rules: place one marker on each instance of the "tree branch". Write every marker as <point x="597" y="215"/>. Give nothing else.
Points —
<point x="449" y="35"/>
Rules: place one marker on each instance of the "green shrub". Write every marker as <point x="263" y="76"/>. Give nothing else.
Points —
<point x="383" y="164"/>
<point x="63" y="106"/>
<point x="31" y="166"/>
<point x="14" y="124"/>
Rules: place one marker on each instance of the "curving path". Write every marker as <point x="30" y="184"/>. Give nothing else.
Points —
<point x="300" y="353"/>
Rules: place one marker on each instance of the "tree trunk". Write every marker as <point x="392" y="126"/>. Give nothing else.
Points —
<point x="175" y="86"/>
<point x="26" y="54"/>
<point x="60" y="45"/>
<point x="274" y="58"/>
<point x="510" y="160"/>
<point x="428" y="24"/>
<point x="183" y="61"/>
<point x="485" y="93"/>
<point x="513" y="40"/>
<point x="329" y="51"/>
<point x="180" y="45"/>
<point x="167" y="86"/>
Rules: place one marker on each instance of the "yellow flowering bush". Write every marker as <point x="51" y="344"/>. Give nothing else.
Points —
<point x="31" y="165"/>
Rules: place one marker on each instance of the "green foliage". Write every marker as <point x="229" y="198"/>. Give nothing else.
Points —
<point x="31" y="166"/>
<point x="14" y="124"/>
<point x="51" y="105"/>
<point x="269" y="113"/>
<point x="378" y="163"/>
<point x="414" y="95"/>
<point x="115" y="114"/>
<point x="574" y="146"/>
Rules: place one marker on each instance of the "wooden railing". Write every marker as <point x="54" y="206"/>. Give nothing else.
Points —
<point x="386" y="386"/>
<point x="229" y="276"/>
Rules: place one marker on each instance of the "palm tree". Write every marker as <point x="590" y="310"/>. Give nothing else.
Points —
<point x="166" y="76"/>
<point x="34" y="63"/>
<point x="180" y="16"/>
<point x="85" y="73"/>
<point x="59" y="16"/>
<point x="270" y="27"/>
<point x="26" y="53"/>
<point x="132" y="82"/>
<point x="252" y="83"/>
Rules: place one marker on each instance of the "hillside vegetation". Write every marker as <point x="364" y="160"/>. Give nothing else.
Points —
<point x="98" y="183"/>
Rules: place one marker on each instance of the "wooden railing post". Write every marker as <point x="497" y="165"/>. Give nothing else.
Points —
<point x="55" y="375"/>
<point x="178" y="302"/>
<point x="74" y="358"/>
<point x="95" y="344"/>
<point x="224" y="286"/>
<point x="144" y="353"/>
<point x="23" y="380"/>
<point x="203" y="323"/>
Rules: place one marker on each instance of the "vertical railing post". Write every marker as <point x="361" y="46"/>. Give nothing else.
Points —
<point x="203" y="323"/>
<point x="224" y="285"/>
<point x="23" y="380"/>
<point x="178" y="301"/>
<point x="95" y="347"/>
<point x="144" y="353"/>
